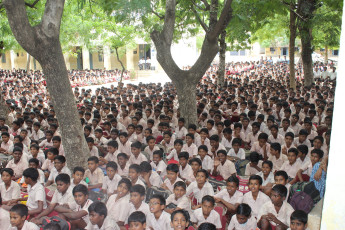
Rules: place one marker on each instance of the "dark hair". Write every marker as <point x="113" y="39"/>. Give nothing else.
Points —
<point x="173" y="168"/>
<point x="197" y="160"/>
<point x="111" y="164"/>
<point x="244" y="209"/>
<point x="207" y="226"/>
<point x="20" y="209"/>
<point x="222" y="151"/>
<point x="161" y="198"/>
<point x="60" y="158"/>
<point x="290" y="134"/>
<point x="35" y="161"/>
<point x="237" y="141"/>
<point x="138" y="188"/>
<point x="233" y="179"/>
<point x="214" y="138"/>
<point x="183" y="212"/>
<point x="178" y="141"/>
<point x="203" y="147"/>
<point x="78" y="169"/>
<point x="180" y="184"/>
<point x="256" y="177"/>
<point x="300" y="216"/>
<point x="208" y="198"/>
<point x="65" y="178"/>
<point x="293" y="150"/>
<point x="124" y="155"/>
<point x="113" y="144"/>
<point x="136" y="145"/>
<point x="136" y="167"/>
<point x="35" y="147"/>
<point x="280" y="189"/>
<point x="269" y="163"/>
<point x="99" y="208"/>
<point x="282" y="173"/>
<point x="17" y="149"/>
<point x="127" y="182"/>
<point x="145" y="166"/>
<point x="319" y="152"/>
<point x="303" y="149"/>
<point x="90" y="140"/>
<point x="254" y="157"/>
<point x="94" y="159"/>
<point x="137" y="216"/>
<point x="158" y="152"/>
<point x="80" y="188"/>
<point x="184" y="155"/>
<point x="303" y="132"/>
<point x="203" y="171"/>
<point x="31" y="173"/>
<point x="8" y="170"/>
<point x="276" y="146"/>
<point x="263" y="136"/>
<point x="53" y="150"/>
<point x="56" y="138"/>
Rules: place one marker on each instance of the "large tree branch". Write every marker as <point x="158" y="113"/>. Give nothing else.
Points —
<point x="223" y="21"/>
<point x="33" y="4"/>
<point x="20" y="25"/>
<point x="157" y="14"/>
<point x="51" y="19"/>
<point x="169" y="21"/>
<point x="213" y="13"/>
<point x="206" y="4"/>
<point x="202" y="23"/>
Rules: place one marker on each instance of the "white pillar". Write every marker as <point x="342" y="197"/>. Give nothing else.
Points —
<point x="107" y="60"/>
<point x="86" y="58"/>
<point x="333" y="213"/>
<point x="68" y="64"/>
<point x="13" y="56"/>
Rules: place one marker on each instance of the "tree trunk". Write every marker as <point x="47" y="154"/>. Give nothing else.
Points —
<point x="28" y="63"/>
<point x="221" y="68"/>
<point x="123" y="67"/>
<point x="42" y="42"/>
<point x="186" y="94"/>
<point x="292" y="46"/>
<point x="326" y="54"/>
<point x="4" y="111"/>
<point x="306" y="55"/>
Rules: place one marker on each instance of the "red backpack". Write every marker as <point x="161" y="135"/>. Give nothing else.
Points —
<point x="64" y="225"/>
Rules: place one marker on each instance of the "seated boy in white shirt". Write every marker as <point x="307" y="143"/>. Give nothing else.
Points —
<point x="136" y="157"/>
<point x="255" y="164"/>
<point x="206" y="213"/>
<point x="304" y="172"/>
<point x="137" y="200"/>
<point x="111" y="180"/>
<point x="99" y="218"/>
<point x="281" y="177"/>
<point x="243" y="219"/>
<point x="223" y="167"/>
<point x="59" y="167"/>
<point x="276" y="212"/>
<point x="299" y="220"/>
<point x="207" y="162"/>
<point x="186" y="170"/>
<point x="158" y="219"/>
<point x="19" y="214"/>
<point x="158" y="164"/>
<point x="150" y="177"/>
<point x="137" y="220"/>
<point x="78" y="177"/>
<point x="236" y="152"/>
<point x="172" y="177"/>
<point x="151" y="146"/>
<point x="9" y="189"/>
<point x="291" y="166"/>
<point x="178" y="199"/>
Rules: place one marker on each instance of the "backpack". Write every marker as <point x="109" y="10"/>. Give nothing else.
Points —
<point x="240" y="166"/>
<point x="306" y="187"/>
<point x="216" y="184"/>
<point x="302" y="201"/>
<point x="156" y="190"/>
<point x="64" y="225"/>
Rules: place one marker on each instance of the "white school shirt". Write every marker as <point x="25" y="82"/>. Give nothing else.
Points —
<point x="198" y="217"/>
<point x="59" y="198"/>
<point x="118" y="209"/>
<point x="198" y="194"/>
<point x="94" y="151"/>
<point x="283" y="215"/>
<point x="40" y="179"/>
<point x="170" y="186"/>
<point x="163" y="223"/>
<point x="226" y="143"/>
<point x="48" y="165"/>
<point x="27" y="226"/>
<point x="241" y="153"/>
<point x="144" y="207"/>
<point x="5" y="218"/>
<point x="226" y="169"/>
<point x="150" y="152"/>
<point x="13" y="191"/>
<point x="296" y="142"/>
<point x="207" y="162"/>
<point x="54" y="173"/>
<point x="182" y="202"/>
<point x="261" y="199"/>
<point x="81" y="182"/>
<point x="137" y="160"/>
<point x="282" y="132"/>
<point x="108" y="224"/>
<point x="180" y="133"/>
<point x="278" y="163"/>
<point x="280" y="139"/>
<point x="155" y="179"/>
<point x="257" y="148"/>
<point x="111" y="185"/>
<point x="161" y="167"/>
<point x="172" y="155"/>
<point x="124" y="171"/>
<point x="187" y="172"/>
<point x="305" y="165"/>
<point x="291" y="170"/>
<point x="237" y="198"/>
<point x="112" y="156"/>
<point x="35" y="194"/>
<point x="125" y="148"/>
<point x="75" y="207"/>
<point x="269" y="179"/>
<point x="251" y="224"/>
<point x="192" y="149"/>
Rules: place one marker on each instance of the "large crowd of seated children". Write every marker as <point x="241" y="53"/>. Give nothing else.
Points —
<point x="148" y="169"/>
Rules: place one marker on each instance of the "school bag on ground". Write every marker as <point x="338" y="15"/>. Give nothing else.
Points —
<point x="156" y="190"/>
<point x="64" y="225"/>
<point x="240" y="166"/>
<point x="216" y="184"/>
<point x="306" y="187"/>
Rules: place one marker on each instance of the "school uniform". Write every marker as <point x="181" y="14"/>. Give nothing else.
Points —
<point x="283" y="132"/>
<point x="123" y="172"/>
<point x="35" y="194"/>
<point x="40" y="157"/>
<point x="118" y="209"/>
<point x="112" y="156"/>
<point x="278" y="163"/>
<point x="305" y="165"/>
<point x="66" y="198"/>
<point x="251" y="224"/>
<point x="296" y="142"/>
<point x="111" y="184"/>
<point x="77" y="208"/>
<point x="187" y="172"/>
<point x="7" y="146"/>
<point x="261" y="199"/>
<point x="18" y="168"/>
<point x="283" y="215"/>
<point x="163" y="222"/>
<point x="207" y="162"/>
<point x="137" y="160"/>
<point x="27" y="226"/>
<point x="11" y="193"/>
<point x="101" y="141"/>
<point x="181" y="132"/>
<point x="54" y="173"/>
<point x="252" y="138"/>
<point x="160" y="167"/>
<point x="291" y="170"/>
<point x="237" y="198"/>
<point x="241" y="153"/>
<point x="109" y="223"/>
<point x="257" y="148"/>
<point x="125" y="148"/>
<point x="173" y="155"/>
<point x="182" y="202"/>
<point x="170" y="186"/>
<point x="251" y="170"/>
<point x="140" y="182"/>
<point x="198" y="217"/>
<point x="198" y="194"/>
<point x="95" y="177"/>
<point x="94" y="151"/>
<point x="269" y="179"/>
<point x="280" y="139"/>
<point x="150" y="152"/>
<point x="81" y="182"/>
<point x="192" y="149"/>
<point x="226" y="169"/>
<point x="5" y="218"/>
<point x="37" y="135"/>
<point x="144" y="207"/>
<point x="46" y="144"/>
<point x="227" y="143"/>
